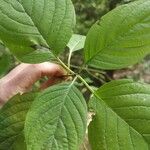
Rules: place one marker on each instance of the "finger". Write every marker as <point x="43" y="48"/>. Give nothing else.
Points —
<point x="50" y="69"/>
<point x="17" y="70"/>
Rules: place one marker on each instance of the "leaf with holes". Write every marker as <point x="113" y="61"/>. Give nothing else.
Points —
<point x="12" y="117"/>
<point x="120" y="38"/>
<point x="27" y="23"/>
<point x="123" y="121"/>
<point x="57" y="119"/>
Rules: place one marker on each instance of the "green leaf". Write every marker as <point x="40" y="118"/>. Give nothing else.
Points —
<point x="26" y="23"/>
<point x="5" y="60"/>
<point x="109" y="131"/>
<point x="12" y="117"/>
<point x="120" y="38"/>
<point x="122" y="122"/>
<point x="76" y="42"/>
<point x="19" y="143"/>
<point x="57" y="119"/>
<point x="39" y="56"/>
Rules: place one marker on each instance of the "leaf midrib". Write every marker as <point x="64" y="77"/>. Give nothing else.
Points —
<point x="67" y="91"/>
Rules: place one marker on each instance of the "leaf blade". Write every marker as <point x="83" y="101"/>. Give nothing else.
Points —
<point x="109" y="131"/>
<point x="76" y="42"/>
<point x="12" y="117"/>
<point x="131" y="102"/>
<point x="128" y="39"/>
<point x="63" y="120"/>
<point x="39" y="56"/>
<point x="24" y="24"/>
<point x="128" y="101"/>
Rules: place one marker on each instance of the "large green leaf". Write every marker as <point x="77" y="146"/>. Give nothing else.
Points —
<point x="57" y="119"/>
<point x="121" y="38"/>
<point x="12" y="117"/>
<point x="27" y="23"/>
<point x="122" y="122"/>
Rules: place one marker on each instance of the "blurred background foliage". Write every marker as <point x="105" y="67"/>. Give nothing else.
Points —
<point x="89" y="11"/>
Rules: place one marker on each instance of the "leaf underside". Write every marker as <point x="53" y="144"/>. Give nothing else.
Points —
<point x="76" y="42"/>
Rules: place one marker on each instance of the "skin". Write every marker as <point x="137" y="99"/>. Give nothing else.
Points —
<point x="21" y="79"/>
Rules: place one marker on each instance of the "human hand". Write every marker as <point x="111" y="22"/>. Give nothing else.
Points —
<point x="21" y="79"/>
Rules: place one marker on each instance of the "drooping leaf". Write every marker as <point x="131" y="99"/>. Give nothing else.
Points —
<point x="76" y="42"/>
<point x="122" y="122"/>
<point x="57" y="119"/>
<point x="120" y="38"/>
<point x="5" y="60"/>
<point x="26" y="23"/>
<point x="12" y="117"/>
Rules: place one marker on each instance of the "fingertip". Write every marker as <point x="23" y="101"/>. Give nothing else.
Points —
<point x="51" y="69"/>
